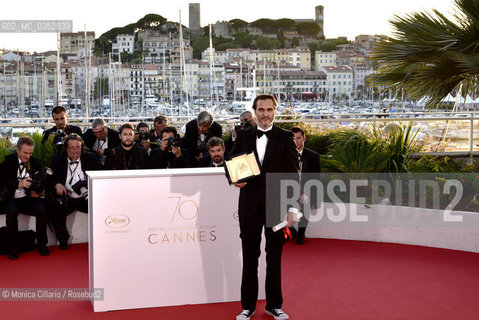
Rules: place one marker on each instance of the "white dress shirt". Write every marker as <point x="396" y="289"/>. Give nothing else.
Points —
<point x="22" y="173"/>
<point x="261" y="144"/>
<point x="74" y="174"/>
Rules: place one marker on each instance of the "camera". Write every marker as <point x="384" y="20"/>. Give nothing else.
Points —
<point x="174" y="142"/>
<point x="81" y="188"/>
<point x="244" y="125"/>
<point x="143" y="135"/>
<point x="39" y="179"/>
<point x="59" y="139"/>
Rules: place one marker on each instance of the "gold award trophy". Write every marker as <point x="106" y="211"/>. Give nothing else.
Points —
<point x="242" y="168"/>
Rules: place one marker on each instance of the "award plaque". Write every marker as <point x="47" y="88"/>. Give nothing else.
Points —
<point x="242" y="168"/>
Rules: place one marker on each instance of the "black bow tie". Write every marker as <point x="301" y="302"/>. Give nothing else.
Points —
<point x="73" y="162"/>
<point x="22" y="164"/>
<point x="260" y="133"/>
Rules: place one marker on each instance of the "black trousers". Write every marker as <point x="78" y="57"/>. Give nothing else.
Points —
<point x="60" y="213"/>
<point x="29" y="206"/>
<point x="250" y="233"/>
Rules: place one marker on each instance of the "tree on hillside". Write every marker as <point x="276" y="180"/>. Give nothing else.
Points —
<point x="238" y="23"/>
<point x="151" y="20"/>
<point x="430" y="55"/>
<point x="243" y="39"/>
<point x="264" y="43"/>
<point x="285" y="24"/>
<point x="267" y="25"/>
<point x="310" y="29"/>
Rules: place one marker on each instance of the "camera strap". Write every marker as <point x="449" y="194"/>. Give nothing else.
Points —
<point x="22" y="172"/>
<point x="73" y="171"/>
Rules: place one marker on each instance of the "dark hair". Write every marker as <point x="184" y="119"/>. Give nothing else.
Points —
<point x="58" y="109"/>
<point x="168" y="129"/>
<point x="72" y="137"/>
<point x="214" y="142"/>
<point x="25" y="140"/>
<point x="142" y="125"/>
<point x="160" y="119"/>
<point x="297" y="129"/>
<point x="265" y="97"/>
<point x="126" y="126"/>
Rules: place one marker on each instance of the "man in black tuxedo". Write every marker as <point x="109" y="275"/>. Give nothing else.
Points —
<point x="16" y="174"/>
<point x="197" y="134"/>
<point x="69" y="169"/>
<point x="308" y="164"/>
<point x="128" y="155"/>
<point x="216" y="150"/>
<point x="276" y="152"/>
<point x="60" y="118"/>
<point x="100" y="138"/>
<point x="169" y="155"/>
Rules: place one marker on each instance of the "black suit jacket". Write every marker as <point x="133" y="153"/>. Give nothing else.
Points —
<point x="68" y="129"/>
<point x="113" y="139"/>
<point x="190" y="140"/>
<point x="88" y="160"/>
<point x="310" y="165"/>
<point x="115" y="159"/>
<point x="280" y="157"/>
<point x="8" y="172"/>
<point x="160" y="159"/>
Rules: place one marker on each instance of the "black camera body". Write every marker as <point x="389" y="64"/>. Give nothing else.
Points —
<point x="39" y="180"/>
<point x="143" y="135"/>
<point x="81" y="188"/>
<point x="244" y="125"/>
<point x="174" y="142"/>
<point x="59" y="138"/>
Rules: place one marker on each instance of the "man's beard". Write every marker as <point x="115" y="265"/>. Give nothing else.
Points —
<point x="126" y="144"/>
<point x="217" y="160"/>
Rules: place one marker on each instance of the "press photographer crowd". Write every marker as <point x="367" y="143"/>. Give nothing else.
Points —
<point x="53" y="192"/>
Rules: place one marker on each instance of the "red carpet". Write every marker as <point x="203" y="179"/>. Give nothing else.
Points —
<point x="323" y="279"/>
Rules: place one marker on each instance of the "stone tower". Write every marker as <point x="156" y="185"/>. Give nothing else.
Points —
<point x="194" y="17"/>
<point x="319" y="17"/>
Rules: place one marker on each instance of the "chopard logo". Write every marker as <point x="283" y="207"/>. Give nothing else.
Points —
<point x="117" y="221"/>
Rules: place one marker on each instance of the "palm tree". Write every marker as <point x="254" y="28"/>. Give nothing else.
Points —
<point x="429" y="55"/>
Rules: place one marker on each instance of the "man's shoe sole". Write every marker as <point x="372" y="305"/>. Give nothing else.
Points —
<point x="245" y="318"/>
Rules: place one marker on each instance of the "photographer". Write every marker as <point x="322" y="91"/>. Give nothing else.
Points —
<point x="61" y="128"/>
<point x="128" y="155"/>
<point x="100" y="138"/>
<point x="24" y="196"/>
<point x="159" y="123"/>
<point x="170" y="154"/>
<point x="142" y="136"/>
<point x="246" y="121"/>
<point x="69" y="184"/>
<point x="197" y="134"/>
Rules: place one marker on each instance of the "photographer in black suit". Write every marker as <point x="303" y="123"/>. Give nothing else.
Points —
<point x="69" y="182"/>
<point x="246" y="119"/>
<point x="308" y="163"/>
<point x="170" y="154"/>
<point x="24" y="194"/>
<point x="159" y="123"/>
<point x="128" y="155"/>
<point x="100" y="138"/>
<point x="142" y="136"/>
<point x="275" y="152"/>
<point x="197" y="134"/>
<point x="61" y="128"/>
